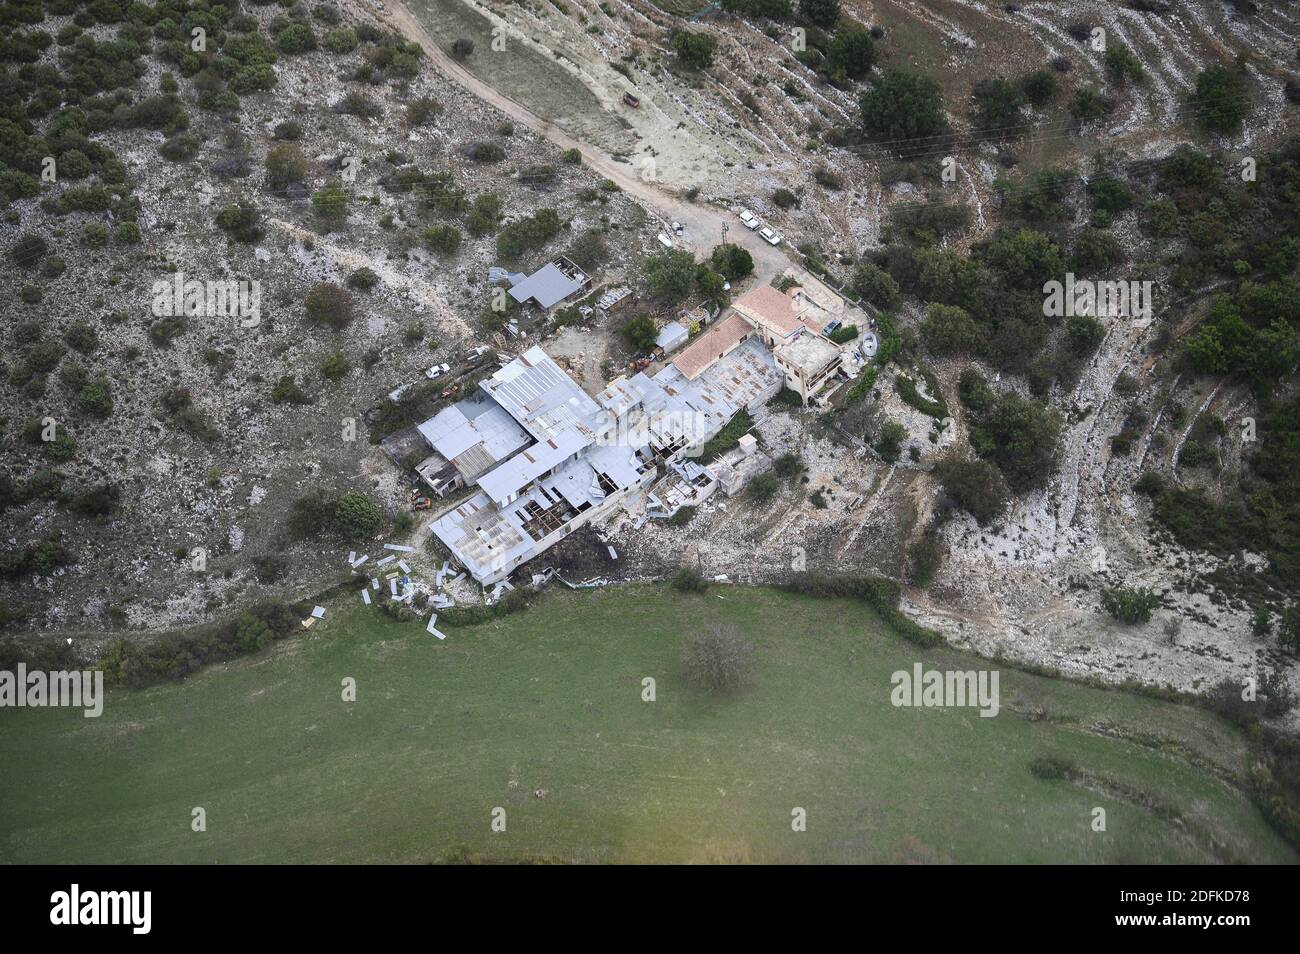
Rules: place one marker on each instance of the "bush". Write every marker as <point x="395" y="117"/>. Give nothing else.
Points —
<point x="694" y="50"/>
<point x="976" y="485"/>
<point x="298" y="38"/>
<point x="1129" y="605"/>
<point x="356" y="515"/>
<point x="342" y="40"/>
<point x="443" y="239"/>
<point x="330" y="203"/>
<point x="329" y="305"/>
<point x="889" y="442"/>
<point x="96" y="397"/>
<point x="688" y="580"/>
<point x="527" y="234"/>
<point x="420" y="111"/>
<point x="763" y="487"/>
<point x="1220" y="100"/>
<point x="28" y="250"/>
<point x="335" y="366"/>
<point x="718" y="660"/>
<point x="363" y="279"/>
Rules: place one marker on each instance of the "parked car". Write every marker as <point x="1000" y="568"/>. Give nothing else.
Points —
<point x="664" y="240"/>
<point x="437" y="371"/>
<point x="631" y="100"/>
<point x="770" y="237"/>
<point x="748" y="219"/>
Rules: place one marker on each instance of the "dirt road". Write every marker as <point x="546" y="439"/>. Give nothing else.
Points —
<point x="703" y="224"/>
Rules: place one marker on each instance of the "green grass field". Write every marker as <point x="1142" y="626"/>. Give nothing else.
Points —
<point x="550" y="700"/>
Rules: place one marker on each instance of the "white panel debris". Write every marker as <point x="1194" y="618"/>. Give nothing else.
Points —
<point x="405" y="568"/>
<point x="613" y="554"/>
<point x="399" y="548"/>
<point x="361" y="560"/>
<point x="365" y="597"/>
<point x="387" y="559"/>
<point x="318" y="612"/>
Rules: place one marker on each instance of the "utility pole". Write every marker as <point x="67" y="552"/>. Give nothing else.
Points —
<point x="725" y="229"/>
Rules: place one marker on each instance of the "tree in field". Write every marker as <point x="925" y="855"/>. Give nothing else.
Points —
<point x="902" y="106"/>
<point x="718" y="660"/>
<point x="462" y="48"/>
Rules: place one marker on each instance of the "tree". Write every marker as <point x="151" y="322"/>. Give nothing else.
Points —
<point x="731" y="261"/>
<point x="356" y="515"/>
<point x="820" y="13"/>
<point x="670" y="276"/>
<point x="718" y="660"/>
<point x="711" y="285"/>
<point x="903" y="106"/>
<point x="998" y="104"/>
<point x="875" y="285"/>
<point x="976" y="485"/>
<point x="1019" y="435"/>
<point x="1220" y="101"/>
<point x="1039" y="87"/>
<point x="948" y="329"/>
<point x="640" y="334"/>
<point x="695" y="50"/>
<point x="1025" y="258"/>
<point x="462" y="48"/>
<point x="851" y="55"/>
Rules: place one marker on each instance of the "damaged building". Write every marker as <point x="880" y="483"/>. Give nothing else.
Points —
<point x="545" y="458"/>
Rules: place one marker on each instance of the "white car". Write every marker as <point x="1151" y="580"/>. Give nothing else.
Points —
<point x="437" y="371"/>
<point x="748" y="219"/>
<point x="770" y="237"/>
<point x="664" y="240"/>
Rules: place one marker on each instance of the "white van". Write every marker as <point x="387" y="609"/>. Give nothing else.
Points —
<point x="749" y="220"/>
